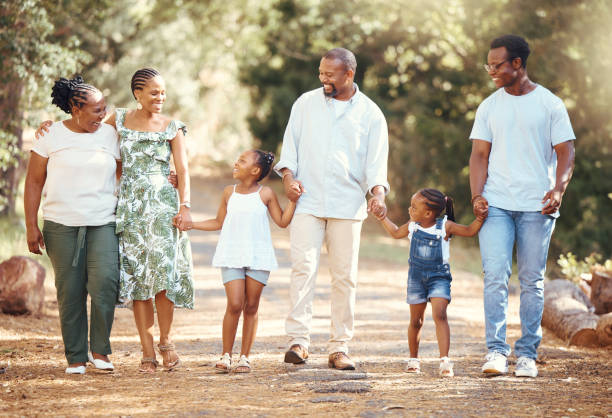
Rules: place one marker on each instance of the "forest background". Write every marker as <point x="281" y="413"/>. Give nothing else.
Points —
<point x="233" y="68"/>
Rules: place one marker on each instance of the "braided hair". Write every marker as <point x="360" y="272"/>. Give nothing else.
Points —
<point x="264" y="160"/>
<point x="140" y="78"/>
<point x="67" y="94"/>
<point x="437" y="201"/>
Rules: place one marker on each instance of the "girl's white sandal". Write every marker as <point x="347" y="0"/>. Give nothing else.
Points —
<point x="243" y="366"/>
<point x="413" y="365"/>
<point x="446" y="367"/>
<point x="224" y="364"/>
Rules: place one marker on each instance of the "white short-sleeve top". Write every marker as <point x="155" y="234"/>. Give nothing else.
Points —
<point x="81" y="185"/>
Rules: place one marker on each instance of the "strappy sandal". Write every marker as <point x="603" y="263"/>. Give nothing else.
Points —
<point x="148" y="360"/>
<point x="165" y="349"/>
<point x="243" y="366"/>
<point x="413" y="365"/>
<point x="224" y="364"/>
<point x="446" y="367"/>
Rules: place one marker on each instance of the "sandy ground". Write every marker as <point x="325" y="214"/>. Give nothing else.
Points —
<point x="572" y="382"/>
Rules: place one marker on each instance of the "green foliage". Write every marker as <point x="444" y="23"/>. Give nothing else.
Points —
<point x="573" y="269"/>
<point x="422" y="63"/>
<point x="233" y="68"/>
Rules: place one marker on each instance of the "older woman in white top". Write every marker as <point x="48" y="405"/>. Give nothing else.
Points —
<point x="77" y="163"/>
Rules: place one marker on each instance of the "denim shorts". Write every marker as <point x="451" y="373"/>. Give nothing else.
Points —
<point x="424" y="284"/>
<point x="228" y="274"/>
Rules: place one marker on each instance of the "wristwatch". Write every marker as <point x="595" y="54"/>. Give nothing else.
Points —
<point x="187" y="204"/>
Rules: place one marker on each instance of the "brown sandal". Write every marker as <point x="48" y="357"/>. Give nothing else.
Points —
<point x="148" y="360"/>
<point x="165" y="349"/>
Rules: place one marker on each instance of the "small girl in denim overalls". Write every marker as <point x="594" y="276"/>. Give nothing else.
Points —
<point x="429" y="276"/>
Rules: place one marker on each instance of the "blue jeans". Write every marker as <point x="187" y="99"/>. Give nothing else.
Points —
<point x="531" y="231"/>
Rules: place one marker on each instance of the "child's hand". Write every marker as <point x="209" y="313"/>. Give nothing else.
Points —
<point x="377" y="207"/>
<point x="480" y="206"/>
<point x="43" y="129"/>
<point x="173" y="179"/>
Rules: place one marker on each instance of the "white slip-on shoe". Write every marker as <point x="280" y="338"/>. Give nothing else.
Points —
<point x="75" y="370"/>
<point x="525" y="367"/>
<point x="496" y="363"/>
<point x="101" y="364"/>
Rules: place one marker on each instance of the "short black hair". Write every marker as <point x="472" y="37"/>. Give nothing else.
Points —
<point x="344" y="55"/>
<point x="69" y="93"/>
<point x="516" y="46"/>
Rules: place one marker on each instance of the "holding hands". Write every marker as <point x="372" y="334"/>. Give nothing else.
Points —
<point x="376" y="204"/>
<point x="480" y="206"/>
<point x="293" y="187"/>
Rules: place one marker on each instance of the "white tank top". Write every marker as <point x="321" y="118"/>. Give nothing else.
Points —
<point x="245" y="239"/>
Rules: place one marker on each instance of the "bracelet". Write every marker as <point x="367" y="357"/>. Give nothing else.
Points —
<point x="475" y="197"/>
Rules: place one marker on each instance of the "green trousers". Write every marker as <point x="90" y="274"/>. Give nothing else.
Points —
<point x="85" y="261"/>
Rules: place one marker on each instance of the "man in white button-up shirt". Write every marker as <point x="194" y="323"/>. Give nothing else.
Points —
<point x="334" y="152"/>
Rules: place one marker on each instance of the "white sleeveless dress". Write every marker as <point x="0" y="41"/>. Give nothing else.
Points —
<point x="245" y="239"/>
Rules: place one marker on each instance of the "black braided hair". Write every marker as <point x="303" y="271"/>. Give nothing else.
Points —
<point x="437" y="201"/>
<point x="140" y="78"/>
<point x="264" y="161"/>
<point x="67" y="94"/>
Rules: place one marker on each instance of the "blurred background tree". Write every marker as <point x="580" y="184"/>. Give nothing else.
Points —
<point x="233" y="68"/>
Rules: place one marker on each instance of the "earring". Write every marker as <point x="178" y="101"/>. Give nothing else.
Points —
<point x="138" y="106"/>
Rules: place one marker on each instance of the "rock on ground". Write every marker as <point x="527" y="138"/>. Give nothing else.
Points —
<point x="21" y="286"/>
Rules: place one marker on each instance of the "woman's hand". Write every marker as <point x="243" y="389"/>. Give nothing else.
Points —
<point x="183" y="220"/>
<point x="43" y="128"/>
<point x="35" y="240"/>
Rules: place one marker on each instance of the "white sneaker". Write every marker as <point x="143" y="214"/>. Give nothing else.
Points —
<point x="496" y="363"/>
<point x="446" y="367"/>
<point x="100" y="364"/>
<point x="75" y="370"/>
<point x="526" y="367"/>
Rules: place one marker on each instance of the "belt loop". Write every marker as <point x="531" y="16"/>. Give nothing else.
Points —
<point x="79" y="244"/>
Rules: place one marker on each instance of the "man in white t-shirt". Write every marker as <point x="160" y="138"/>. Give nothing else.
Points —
<point x="521" y="163"/>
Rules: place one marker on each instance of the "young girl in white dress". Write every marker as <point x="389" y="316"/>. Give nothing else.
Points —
<point x="244" y="252"/>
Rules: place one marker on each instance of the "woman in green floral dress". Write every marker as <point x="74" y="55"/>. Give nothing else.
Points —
<point x="155" y="255"/>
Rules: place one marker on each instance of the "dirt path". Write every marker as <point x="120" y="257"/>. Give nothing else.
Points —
<point x="572" y="382"/>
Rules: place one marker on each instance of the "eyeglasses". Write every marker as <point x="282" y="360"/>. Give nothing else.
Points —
<point x="494" y="67"/>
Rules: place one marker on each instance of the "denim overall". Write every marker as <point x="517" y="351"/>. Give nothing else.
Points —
<point x="428" y="276"/>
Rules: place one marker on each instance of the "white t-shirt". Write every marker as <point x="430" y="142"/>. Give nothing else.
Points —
<point x="412" y="226"/>
<point x="81" y="187"/>
<point x="522" y="131"/>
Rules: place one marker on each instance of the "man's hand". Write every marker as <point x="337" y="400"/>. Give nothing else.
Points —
<point x="43" y="129"/>
<point x="552" y="200"/>
<point x="35" y="240"/>
<point x="293" y="187"/>
<point x="376" y="204"/>
<point x="480" y="207"/>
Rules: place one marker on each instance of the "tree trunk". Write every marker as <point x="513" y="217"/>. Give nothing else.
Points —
<point x="604" y="329"/>
<point x="601" y="290"/>
<point x="567" y="313"/>
<point x="11" y="118"/>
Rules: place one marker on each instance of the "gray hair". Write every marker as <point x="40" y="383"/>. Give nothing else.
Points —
<point x="344" y="55"/>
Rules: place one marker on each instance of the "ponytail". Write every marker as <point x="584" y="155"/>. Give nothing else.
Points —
<point x="264" y="161"/>
<point x="437" y="201"/>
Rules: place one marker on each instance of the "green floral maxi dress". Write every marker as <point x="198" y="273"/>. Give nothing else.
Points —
<point x="155" y="256"/>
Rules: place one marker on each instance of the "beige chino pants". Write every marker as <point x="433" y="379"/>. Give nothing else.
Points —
<point x="341" y="236"/>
